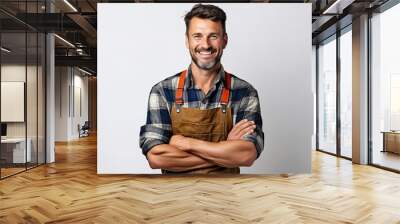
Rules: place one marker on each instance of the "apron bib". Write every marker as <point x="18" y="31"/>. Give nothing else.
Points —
<point x="211" y="125"/>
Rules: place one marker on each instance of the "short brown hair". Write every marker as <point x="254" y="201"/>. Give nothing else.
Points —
<point x="210" y="12"/>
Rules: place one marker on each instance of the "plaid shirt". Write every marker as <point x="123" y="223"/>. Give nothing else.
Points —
<point x="243" y="100"/>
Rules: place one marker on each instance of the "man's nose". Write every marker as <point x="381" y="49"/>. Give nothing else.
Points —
<point x="204" y="43"/>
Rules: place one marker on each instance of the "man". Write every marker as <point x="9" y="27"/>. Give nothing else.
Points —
<point x="190" y="117"/>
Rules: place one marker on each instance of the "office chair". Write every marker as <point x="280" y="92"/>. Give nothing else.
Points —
<point x="84" y="130"/>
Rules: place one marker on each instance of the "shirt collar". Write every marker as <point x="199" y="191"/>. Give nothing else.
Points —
<point x="189" y="82"/>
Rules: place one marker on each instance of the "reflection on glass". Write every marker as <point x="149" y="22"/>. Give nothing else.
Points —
<point x="327" y="96"/>
<point x="14" y="153"/>
<point x="31" y="101"/>
<point x="386" y="89"/>
<point x="41" y="98"/>
<point x="346" y="93"/>
<point x="22" y="90"/>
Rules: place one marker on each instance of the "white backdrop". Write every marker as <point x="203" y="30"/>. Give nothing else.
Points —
<point x="269" y="46"/>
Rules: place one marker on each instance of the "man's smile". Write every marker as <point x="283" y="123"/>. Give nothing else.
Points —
<point x="206" y="54"/>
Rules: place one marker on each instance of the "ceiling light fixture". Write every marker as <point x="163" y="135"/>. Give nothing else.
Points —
<point x="5" y="50"/>
<point x="70" y="5"/>
<point x="338" y="6"/>
<point x="64" y="40"/>
<point x="84" y="71"/>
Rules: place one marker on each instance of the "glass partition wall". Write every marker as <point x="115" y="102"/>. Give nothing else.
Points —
<point x="334" y="94"/>
<point x="22" y="88"/>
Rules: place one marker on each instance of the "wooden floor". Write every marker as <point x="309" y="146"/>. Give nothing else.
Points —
<point x="5" y="172"/>
<point x="70" y="191"/>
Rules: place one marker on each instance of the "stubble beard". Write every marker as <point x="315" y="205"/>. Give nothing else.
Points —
<point x="206" y="66"/>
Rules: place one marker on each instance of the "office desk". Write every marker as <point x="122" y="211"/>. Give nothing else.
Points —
<point x="13" y="150"/>
<point x="391" y="141"/>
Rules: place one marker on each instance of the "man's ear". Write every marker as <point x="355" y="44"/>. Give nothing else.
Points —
<point x="225" y="40"/>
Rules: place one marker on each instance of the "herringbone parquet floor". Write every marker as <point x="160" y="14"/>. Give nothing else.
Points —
<point x="70" y="191"/>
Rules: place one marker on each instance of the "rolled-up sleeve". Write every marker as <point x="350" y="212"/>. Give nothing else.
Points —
<point x="157" y="129"/>
<point x="250" y="109"/>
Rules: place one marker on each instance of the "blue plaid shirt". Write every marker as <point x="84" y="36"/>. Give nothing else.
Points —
<point x="243" y="100"/>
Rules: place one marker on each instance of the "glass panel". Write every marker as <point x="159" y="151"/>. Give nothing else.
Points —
<point x="327" y="96"/>
<point x="346" y="93"/>
<point x="13" y="88"/>
<point x="31" y="101"/>
<point x="22" y="88"/>
<point x="386" y="89"/>
<point x="31" y="86"/>
<point x="41" y="98"/>
<point x="314" y="75"/>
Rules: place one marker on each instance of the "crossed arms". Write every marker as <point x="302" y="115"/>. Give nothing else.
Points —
<point x="184" y="153"/>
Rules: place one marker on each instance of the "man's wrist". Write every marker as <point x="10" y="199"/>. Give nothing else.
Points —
<point x="193" y="144"/>
<point x="197" y="144"/>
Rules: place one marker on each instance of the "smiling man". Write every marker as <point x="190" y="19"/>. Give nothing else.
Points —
<point x="203" y="119"/>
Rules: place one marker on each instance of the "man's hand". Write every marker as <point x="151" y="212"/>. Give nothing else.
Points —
<point x="240" y="129"/>
<point x="181" y="142"/>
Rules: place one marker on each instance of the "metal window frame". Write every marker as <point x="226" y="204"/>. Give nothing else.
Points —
<point x="387" y="5"/>
<point x="337" y="35"/>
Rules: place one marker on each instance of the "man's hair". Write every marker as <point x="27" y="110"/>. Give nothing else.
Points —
<point x="210" y="12"/>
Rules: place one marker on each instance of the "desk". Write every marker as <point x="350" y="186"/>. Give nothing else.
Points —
<point x="15" y="148"/>
<point x="391" y="141"/>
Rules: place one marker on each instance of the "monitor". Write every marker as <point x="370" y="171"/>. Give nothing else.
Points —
<point x="3" y="129"/>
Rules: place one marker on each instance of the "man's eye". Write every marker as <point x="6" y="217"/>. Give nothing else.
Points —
<point x="214" y="37"/>
<point x="197" y="37"/>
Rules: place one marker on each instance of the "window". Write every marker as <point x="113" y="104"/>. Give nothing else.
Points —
<point x="385" y="88"/>
<point x="346" y="93"/>
<point x="327" y="96"/>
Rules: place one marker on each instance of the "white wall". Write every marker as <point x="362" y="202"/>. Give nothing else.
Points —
<point x="67" y="85"/>
<point x="269" y="46"/>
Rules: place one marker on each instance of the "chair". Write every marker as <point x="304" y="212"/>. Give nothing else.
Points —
<point x="84" y="130"/>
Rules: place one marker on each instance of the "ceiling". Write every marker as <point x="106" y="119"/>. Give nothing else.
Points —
<point x="76" y="22"/>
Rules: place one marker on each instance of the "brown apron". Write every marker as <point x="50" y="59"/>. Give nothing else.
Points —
<point x="211" y="125"/>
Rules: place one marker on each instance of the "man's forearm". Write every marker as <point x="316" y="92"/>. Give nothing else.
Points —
<point x="230" y="153"/>
<point x="168" y="157"/>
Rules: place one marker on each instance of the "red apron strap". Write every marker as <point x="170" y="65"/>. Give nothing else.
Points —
<point x="224" y="96"/>
<point x="226" y="90"/>
<point x="179" y="90"/>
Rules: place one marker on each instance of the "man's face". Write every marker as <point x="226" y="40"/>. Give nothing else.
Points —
<point x="205" y="40"/>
